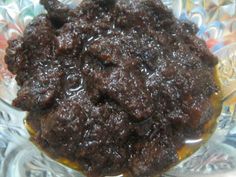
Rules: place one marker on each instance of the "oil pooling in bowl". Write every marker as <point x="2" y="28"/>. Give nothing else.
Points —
<point x="115" y="86"/>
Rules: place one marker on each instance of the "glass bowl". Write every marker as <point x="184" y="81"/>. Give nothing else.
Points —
<point x="216" y="20"/>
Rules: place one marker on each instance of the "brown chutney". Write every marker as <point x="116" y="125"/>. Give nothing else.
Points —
<point x="114" y="85"/>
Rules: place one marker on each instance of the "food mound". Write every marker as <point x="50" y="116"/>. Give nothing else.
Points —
<point x="113" y="85"/>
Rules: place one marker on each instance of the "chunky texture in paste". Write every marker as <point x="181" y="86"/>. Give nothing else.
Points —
<point x="113" y="85"/>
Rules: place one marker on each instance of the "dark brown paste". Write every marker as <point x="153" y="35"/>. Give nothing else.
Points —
<point x="113" y="85"/>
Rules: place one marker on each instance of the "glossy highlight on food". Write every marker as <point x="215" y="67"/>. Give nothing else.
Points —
<point x="115" y="86"/>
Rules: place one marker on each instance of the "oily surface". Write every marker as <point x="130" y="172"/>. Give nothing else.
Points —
<point x="113" y="85"/>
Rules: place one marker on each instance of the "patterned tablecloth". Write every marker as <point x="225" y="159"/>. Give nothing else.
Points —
<point x="216" y="20"/>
